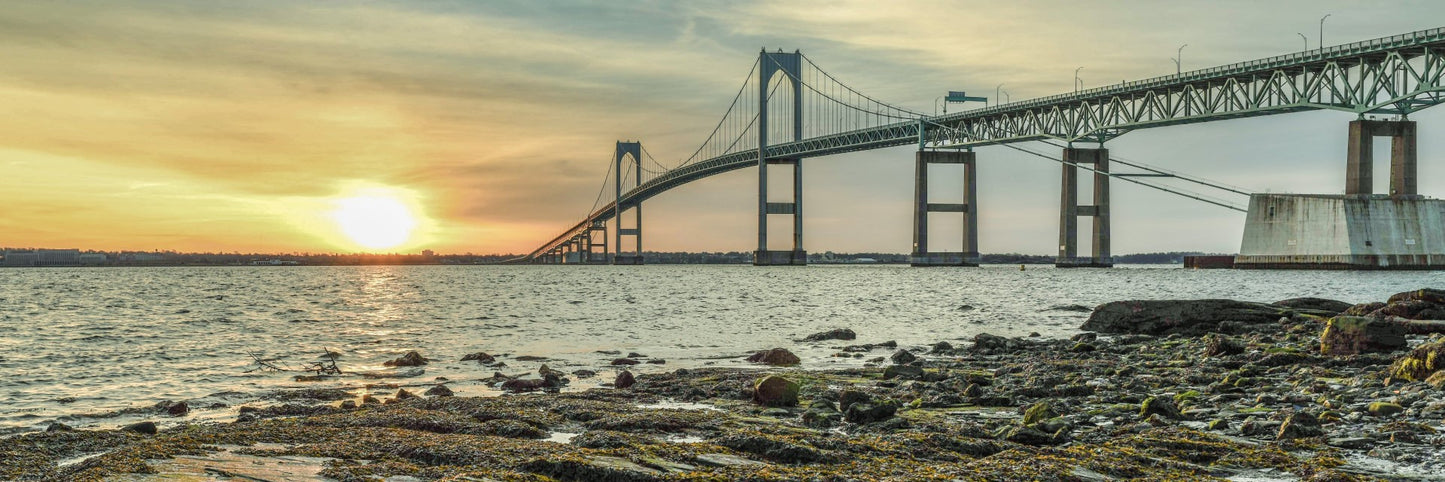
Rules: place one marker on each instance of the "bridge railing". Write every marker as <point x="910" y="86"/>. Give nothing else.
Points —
<point x="1362" y="47"/>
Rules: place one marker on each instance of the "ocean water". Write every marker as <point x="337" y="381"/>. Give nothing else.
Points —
<point x="79" y="342"/>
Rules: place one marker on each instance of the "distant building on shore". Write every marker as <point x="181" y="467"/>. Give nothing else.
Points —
<point x="52" y="257"/>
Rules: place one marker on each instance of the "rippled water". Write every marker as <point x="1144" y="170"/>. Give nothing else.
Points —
<point x="85" y="341"/>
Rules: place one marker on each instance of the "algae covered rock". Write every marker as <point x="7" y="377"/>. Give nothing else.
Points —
<point x="1299" y="425"/>
<point x="1420" y="364"/>
<point x="1039" y="412"/>
<point x="410" y="359"/>
<point x="1161" y="406"/>
<point x="1218" y="345"/>
<point x="624" y="380"/>
<point x="775" y="391"/>
<point x="1157" y="317"/>
<point x="1352" y="335"/>
<point x="869" y="412"/>
<point x="903" y="357"/>
<point x="775" y="356"/>
<point x="1384" y="409"/>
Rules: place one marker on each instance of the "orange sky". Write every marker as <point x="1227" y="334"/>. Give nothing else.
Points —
<point x="210" y="126"/>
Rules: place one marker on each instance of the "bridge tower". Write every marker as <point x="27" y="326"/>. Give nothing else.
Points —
<point x="624" y="149"/>
<point x="791" y="65"/>
<point x="968" y="256"/>
<point x="1070" y="210"/>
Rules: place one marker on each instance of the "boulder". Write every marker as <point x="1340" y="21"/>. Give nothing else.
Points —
<point x="439" y="391"/>
<point x="548" y="381"/>
<point x="624" y="361"/>
<point x="1351" y="335"/>
<point x="907" y="372"/>
<point x="834" y="334"/>
<point x="1217" y="345"/>
<point x="1315" y="304"/>
<point x="985" y="341"/>
<point x="148" y="428"/>
<point x="178" y="409"/>
<point x="1420" y="364"/>
<point x="58" y="427"/>
<point x="1299" y="425"/>
<point x="1158" y="317"/>
<point x="1039" y="412"/>
<point x="941" y="347"/>
<point x="1412" y="310"/>
<point x="902" y="357"/>
<point x="869" y="412"/>
<point x="1026" y="435"/>
<point x="402" y="394"/>
<point x="1428" y="294"/>
<point x="1363" y="309"/>
<point x="775" y="391"/>
<point x="847" y="398"/>
<point x="624" y="380"/>
<point x="775" y="356"/>
<point x="410" y="359"/>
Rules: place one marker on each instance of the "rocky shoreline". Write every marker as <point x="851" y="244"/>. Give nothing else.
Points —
<point x="1304" y="389"/>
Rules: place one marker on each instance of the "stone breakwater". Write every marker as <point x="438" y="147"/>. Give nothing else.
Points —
<point x="1303" y="389"/>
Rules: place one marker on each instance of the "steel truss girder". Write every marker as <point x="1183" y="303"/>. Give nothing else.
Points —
<point x="1396" y="75"/>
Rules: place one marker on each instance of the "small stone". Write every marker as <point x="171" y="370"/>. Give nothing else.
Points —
<point x="624" y="361"/>
<point x="58" y="427"/>
<point x="1085" y="337"/>
<point x="902" y="357"/>
<point x="439" y="391"/>
<point x="1384" y="409"/>
<point x="148" y="428"/>
<point x="656" y="361"/>
<point x="347" y="404"/>
<point x="624" y="380"/>
<point x="178" y="409"/>
<point x="1218" y="345"/>
<point x="402" y="394"/>
<point x="973" y="390"/>
<point x="907" y="372"/>
<point x="584" y="373"/>
<point x="1220" y="425"/>
<point x="369" y="400"/>
<point x="942" y="347"/>
<point x="1299" y="425"/>
<point x="775" y="391"/>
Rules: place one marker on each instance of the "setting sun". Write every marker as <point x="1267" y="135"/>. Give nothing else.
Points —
<point x="375" y="220"/>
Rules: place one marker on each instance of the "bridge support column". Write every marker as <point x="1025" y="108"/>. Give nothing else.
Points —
<point x="1070" y="210"/>
<point x="1359" y="167"/>
<point x="968" y="256"/>
<point x="797" y="256"/>
<point x="595" y="237"/>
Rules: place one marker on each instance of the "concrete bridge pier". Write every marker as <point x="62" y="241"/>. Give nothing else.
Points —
<point x="921" y="255"/>
<point x="1070" y="210"/>
<point x="797" y="256"/>
<point x="1359" y="168"/>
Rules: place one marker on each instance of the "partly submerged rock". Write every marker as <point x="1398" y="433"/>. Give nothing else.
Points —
<point x="624" y="380"/>
<point x="1315" y="304"/>
<point x="410" y="359"/>
<point x="148" y="428"/>
<point x="1158" y="317"/>
<point x="775" y="356"/>
<point x="834" y="334"/>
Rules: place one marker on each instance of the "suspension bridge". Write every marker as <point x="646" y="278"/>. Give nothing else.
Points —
<point x="789" y="109"/>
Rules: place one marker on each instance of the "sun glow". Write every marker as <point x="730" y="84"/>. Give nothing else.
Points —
<point x="375" y="219"/>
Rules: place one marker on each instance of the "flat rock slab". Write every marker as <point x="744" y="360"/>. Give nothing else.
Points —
<point x="230" y="466"/>
<point x="724" y="460"/>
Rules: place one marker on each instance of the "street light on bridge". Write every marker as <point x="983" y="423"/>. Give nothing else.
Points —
<point x="1179" y="59"/>
<point x="1322" y="30"/>
<point x="1306" y="39"/>
<point x="995" y="93"/>
<point x="1077" y="83"/>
